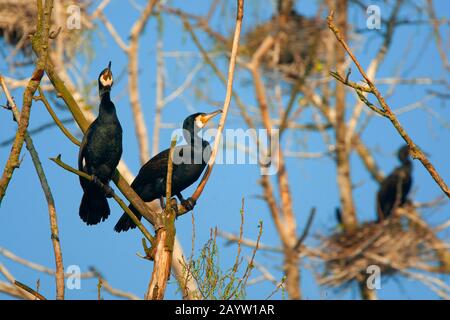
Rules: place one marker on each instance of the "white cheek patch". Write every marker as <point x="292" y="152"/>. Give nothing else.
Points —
<point x="106" y="82"/>
<point x="199" y="123"/>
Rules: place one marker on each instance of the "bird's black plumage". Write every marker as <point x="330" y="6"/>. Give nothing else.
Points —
<point x="394" y="188"/>
<point x="99" y="154"/>
<point x="188" y="163"/>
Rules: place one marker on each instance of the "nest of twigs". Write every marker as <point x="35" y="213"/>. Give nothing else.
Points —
<point x="396" y="245"/>
<point x="299" y="48"/>
<point x="18" y="20"/>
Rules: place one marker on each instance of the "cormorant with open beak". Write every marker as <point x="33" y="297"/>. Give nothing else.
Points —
<point x="99" y="154"/>
<point x="394" y="189"/>
<point x="188" y="163"/>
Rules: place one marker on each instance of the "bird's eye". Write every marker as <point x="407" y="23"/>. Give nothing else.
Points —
<point x="199" y="122"/>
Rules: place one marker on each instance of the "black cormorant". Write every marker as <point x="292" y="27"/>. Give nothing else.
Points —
<point x="100" y="152"/>
<point x="188" y="163"/>
<point x="395" y="188"/>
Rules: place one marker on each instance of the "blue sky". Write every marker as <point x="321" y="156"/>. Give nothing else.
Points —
<point x="24" y="224"/>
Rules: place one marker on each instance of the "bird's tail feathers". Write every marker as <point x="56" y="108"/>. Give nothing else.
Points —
<point x="125" y="223"/>
<point x="94" y="206"/>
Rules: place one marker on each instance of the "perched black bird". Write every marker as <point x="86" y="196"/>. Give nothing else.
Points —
<point x="395" y="188"/>
<point x="188" y="163"/>
<point x="100" y="152"/>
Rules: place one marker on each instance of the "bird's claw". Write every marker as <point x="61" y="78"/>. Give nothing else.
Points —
<point x="189" y="204"/>
<point x="109" y="192"/>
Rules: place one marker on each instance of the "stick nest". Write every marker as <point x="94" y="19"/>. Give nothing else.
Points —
<point x="300" y="44"/>
<point x="396" y="245"/>
<point x="18" y="20"/>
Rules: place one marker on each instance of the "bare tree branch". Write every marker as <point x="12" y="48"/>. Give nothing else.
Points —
<point x="226" y="104"/>
<point x="40" y="41"/>
<point x="165" y="236"/>
<point x="133" y="85"/>
<point x="415" y="151"/>
<point x="49" y="197"/>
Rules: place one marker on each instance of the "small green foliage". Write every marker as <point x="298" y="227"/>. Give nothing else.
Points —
<point x="213" y="282"/>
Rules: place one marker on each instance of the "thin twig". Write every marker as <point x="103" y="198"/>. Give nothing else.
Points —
<point x="306" y="230"/>
<point x="14" y="291"/>
<point x="437" y="35"/>
<point x="239" y="242"/>
<point x="230" y="237"/>
<point x="29" y="290"/>
<point x="248" y="270"/>
<point x="55" y="118"/>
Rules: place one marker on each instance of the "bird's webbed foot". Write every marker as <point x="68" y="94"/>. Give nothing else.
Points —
<point x="109" y="192"/>
<point x="188" y="203"/>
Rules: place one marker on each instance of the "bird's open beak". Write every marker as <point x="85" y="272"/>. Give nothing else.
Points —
<point x="209" y="116"/>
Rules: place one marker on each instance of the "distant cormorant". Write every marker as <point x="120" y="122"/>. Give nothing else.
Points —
<point x="188" y="163"/>
<point x="99" y="154"/>
<point x="394" y="189"/>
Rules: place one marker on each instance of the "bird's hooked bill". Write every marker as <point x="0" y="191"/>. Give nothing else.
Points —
<point x="209" y="116"/>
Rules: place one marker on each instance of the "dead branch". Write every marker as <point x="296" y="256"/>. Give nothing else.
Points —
<point x="416" y="152"/>
<point x="40" y="42"/>
<point x="437" y="35"/>
<point x="29" y="290"/>
<point x="10" y="288"/>
<point x="226" y="104"/>
<point x="164" y="240"/>
<point x="93" y="273"/>
<point x="283" y="217"/>
<point x="374" y="66"/>
<point x="59" y="275"/>
<point x="133" y="67"/>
